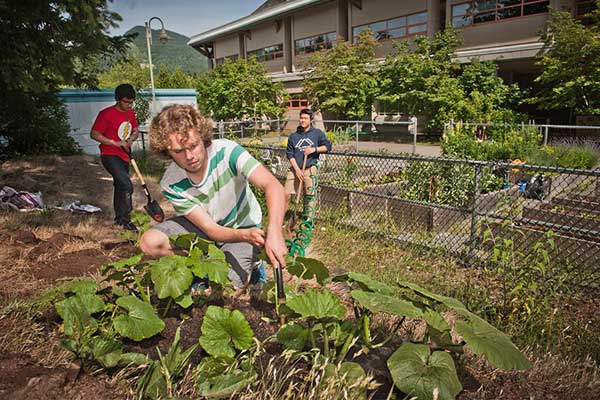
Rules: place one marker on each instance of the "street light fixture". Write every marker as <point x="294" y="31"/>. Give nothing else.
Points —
<point x="163" y="38"/>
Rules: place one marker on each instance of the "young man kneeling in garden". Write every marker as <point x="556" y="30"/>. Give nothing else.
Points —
<point x="207" y="183"/>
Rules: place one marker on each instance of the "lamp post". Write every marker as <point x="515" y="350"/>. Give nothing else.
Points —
<point x="163" y="38"/>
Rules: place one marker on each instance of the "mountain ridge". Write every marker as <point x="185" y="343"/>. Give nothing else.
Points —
<point x="173" y="54"/>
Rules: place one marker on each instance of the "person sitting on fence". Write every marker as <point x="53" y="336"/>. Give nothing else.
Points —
<point x="116" y="129"/>
<point x="207" y="184"/>
<point x="303" y="149"/>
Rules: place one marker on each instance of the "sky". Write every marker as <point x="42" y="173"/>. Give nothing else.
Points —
<point x="188" y="17"/>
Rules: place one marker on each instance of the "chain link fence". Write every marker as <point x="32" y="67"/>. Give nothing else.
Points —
<point x="473" y="210"/>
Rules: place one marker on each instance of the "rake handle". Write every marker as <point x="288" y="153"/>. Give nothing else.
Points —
<point x="301" y="180"/>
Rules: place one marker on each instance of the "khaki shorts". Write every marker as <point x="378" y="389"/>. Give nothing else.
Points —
<point x="292" y="183"/>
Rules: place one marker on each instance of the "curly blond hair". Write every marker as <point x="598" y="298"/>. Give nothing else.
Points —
<point x="178" y="119"/>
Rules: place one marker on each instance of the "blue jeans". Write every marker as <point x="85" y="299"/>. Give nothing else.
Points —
<point x="123" y="188"/>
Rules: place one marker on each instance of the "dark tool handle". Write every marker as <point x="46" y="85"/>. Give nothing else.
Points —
<point x="279" y="277"/>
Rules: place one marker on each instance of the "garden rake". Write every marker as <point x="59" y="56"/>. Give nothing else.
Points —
<point x="298" y="195"/>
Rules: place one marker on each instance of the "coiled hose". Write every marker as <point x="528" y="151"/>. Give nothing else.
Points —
<point x="298" y="245"/>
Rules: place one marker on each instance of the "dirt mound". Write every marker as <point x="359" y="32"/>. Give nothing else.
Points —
<point x="23" y="378"/>
<point x="77" y="263"/>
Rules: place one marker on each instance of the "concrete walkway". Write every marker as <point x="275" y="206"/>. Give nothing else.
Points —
<point x="373" y="147"/>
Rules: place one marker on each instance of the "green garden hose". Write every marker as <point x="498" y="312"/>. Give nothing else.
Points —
<point x="298" y="245"/>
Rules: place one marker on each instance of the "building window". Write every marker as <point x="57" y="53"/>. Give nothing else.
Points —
<point x="477" y="12"/>
<point x="221" y="60"/>
<point x="582" y="8"/>
<point x="395" y="28"/>
<point x="315" y="43"/>
<point x="267" y="53"/>
<point x="297" y="102"/>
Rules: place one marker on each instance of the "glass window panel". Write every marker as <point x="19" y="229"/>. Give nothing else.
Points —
<point x="462" y="21"/>
<point x="397" y="33"/>
<point x="378" y="26"/>
<point x="417" y="18"/>
<point x="483" y="5"/>
<point x="484" y="17"/>
<point x="397" y="22"/>
<point x="509" y="12"/>
<point x="535" y="8"/>
<point x="359" y="29"/>
<point x="417" y="29"/>
<point x="461" y="9"/>
<point x="508" y="3"/>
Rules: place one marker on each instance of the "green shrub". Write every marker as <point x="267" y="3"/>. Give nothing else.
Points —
<point x="36" y="125"/>
<point x="502" y="143"/>
<point x="575" y="156"/>
<point x="562" y="155"/>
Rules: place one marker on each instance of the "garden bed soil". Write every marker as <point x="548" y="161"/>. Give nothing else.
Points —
<point x="24" y="379"/>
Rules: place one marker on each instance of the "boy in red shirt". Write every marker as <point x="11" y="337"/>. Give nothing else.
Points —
<point x="116" y="128"/>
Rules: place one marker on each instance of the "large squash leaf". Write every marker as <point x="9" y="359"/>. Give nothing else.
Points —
<point x="223" y="386"/>
<point x="76" y="312"/>
<point x="308" y="268"/>
<point x="225" y="331"/>
<point x="171" y="276"/>
<point x="365" y="282"/>
<point x="447" y="301"/>
<point x="213" y="265"/>
<point x="140" y="322"/>
<point x="485" y="340"/>
<point x="123" y="263"/>
<point x="293" y="336"/>
<point x="419" y="373"/>
<point x="83" y="286"/>
<point x="376" y="302"/>
<point x="435" y="320"/>
<point x="106" y="351"/>
<point x="319" y="304"/>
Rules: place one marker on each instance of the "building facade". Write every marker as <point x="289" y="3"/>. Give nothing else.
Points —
<point x="283" y="34"/>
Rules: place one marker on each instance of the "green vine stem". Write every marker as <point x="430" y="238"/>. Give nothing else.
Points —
<point x="390" y="336"/>
<point x="164" y="314"/>
<point x="325" y="340"/>
<point x="313" y="342"/>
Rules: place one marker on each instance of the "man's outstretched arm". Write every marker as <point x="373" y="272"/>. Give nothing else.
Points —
<point x="274" y="244"/>
<point x="199" y="217"/>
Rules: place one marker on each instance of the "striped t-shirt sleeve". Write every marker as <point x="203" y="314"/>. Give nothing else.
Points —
<point x="241" y="162"/>
<point x="182" y="205"/>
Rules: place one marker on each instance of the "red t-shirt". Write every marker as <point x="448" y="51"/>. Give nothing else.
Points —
<point x="116" y="125"/>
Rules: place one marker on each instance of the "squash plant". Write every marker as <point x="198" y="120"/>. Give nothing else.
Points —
<point x="418" y="369"/>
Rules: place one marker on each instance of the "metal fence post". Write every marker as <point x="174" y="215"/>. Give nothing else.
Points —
<point x="279" y="129"/>
<point x="545" y="135"/>
<point x="242" y="130"/>
<point x="413" y="127"/>
<point x="474" y="210"/>
<point x="356" y="129"/>
<point x="221" y="129"/>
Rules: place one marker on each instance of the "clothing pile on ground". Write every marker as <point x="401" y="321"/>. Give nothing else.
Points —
<point x="11" y="199"/>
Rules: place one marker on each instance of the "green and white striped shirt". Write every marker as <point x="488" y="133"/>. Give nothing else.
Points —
<point x="224" y="192"/>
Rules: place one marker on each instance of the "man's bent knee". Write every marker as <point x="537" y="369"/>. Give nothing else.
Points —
<point x="155" y="243"/>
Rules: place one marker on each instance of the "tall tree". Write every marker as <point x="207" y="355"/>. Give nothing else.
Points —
<point x="45" y="45"/>
<point x="343" y="79"/>
<point x="427" y="82"/>
<point x="570" y="61"/>
<point x="240" y="89"/>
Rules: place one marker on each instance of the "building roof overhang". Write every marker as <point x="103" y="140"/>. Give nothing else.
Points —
<point x="252" y="19"/>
